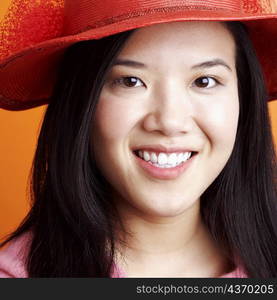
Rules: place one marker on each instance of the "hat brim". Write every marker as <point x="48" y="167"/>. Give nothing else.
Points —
<point x="17" y="88"/>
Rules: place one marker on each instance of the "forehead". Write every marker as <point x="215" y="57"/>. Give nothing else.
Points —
<point x="190" y="40"/>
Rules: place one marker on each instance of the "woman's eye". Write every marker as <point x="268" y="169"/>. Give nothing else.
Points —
<point x="129" y="81"/>
<point x="206" y="82"/>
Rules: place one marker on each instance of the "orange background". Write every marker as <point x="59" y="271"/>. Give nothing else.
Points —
<point x="18" y="134"/>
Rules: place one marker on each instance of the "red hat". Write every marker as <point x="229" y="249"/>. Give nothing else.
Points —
<point x="35" y="34"/>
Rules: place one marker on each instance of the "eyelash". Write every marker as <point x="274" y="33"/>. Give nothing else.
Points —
<point x="120" y="81"/>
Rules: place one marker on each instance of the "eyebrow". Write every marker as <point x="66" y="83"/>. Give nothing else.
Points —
<point x="202" y="65"/>
<point x="212" y="63"/>
<point x="129" y="63"/>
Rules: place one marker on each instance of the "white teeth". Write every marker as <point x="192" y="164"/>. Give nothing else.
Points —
<point x="188" y="155"/>
<point x="164" y="160"/>
<point x="146" y="156"/>
<point x="180" y="158"/>
<point x="172" y="159"/>
<point x="185" y="156"/>
<point x="154" y="158"/>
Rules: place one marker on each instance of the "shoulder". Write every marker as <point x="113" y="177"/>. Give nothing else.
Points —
<point x="13" y="257"/>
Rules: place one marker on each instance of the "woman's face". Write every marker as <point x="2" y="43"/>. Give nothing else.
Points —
<point x="172" y="91"/>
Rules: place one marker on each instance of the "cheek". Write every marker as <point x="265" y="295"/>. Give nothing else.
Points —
<point x="224" y="122"/>
<point x="108" y="123"/>
<point x="219" y="121"/>
<point x="114" y="120"/>
<point x="113" y="125"/>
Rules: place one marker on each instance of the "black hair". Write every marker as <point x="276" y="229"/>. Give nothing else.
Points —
<point x="72" y="218"/>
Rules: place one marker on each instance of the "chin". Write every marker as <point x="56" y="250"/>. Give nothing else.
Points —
<point x="162" y="208"/>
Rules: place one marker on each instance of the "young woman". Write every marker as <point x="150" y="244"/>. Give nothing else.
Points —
<point x="155" y="156"/>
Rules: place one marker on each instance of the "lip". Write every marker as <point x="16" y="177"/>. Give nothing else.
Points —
<point x="164" y="173"/>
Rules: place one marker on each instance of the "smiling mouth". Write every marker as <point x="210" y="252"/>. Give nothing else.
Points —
<point x="164" y="160"/>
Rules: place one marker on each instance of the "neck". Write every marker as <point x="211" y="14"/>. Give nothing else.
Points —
<point x="182" y="243"/>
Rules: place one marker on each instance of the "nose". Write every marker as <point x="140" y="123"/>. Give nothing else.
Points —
<point x="171" y="112"/>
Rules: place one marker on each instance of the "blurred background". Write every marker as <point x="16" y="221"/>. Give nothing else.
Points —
<point x="18" y="135"/>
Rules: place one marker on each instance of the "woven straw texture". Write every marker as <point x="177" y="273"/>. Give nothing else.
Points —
<point x="35" y="33"/>
<point x="29" y="22"/>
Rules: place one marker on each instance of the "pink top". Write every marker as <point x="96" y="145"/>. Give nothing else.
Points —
<point x="13" y="256"/>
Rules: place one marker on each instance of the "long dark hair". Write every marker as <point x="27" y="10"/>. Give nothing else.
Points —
<point x="72" y="218"/>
